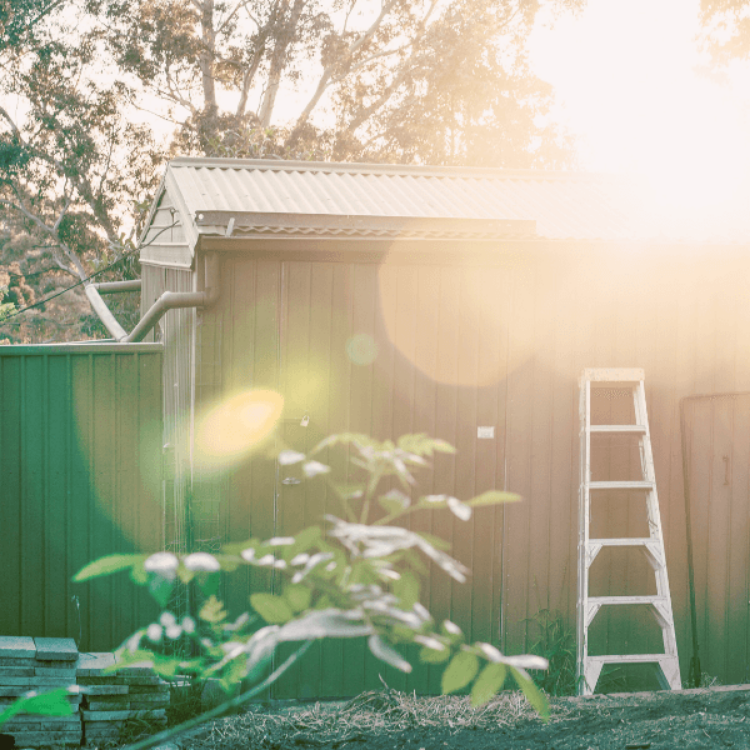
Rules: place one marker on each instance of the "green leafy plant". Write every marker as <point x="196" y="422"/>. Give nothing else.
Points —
<point x="52" y="703"/>
<point x="556" y="643"/>
<point x="353" y="578"/>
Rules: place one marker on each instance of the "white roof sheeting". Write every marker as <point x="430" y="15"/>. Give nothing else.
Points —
<point x="285" y="198"/>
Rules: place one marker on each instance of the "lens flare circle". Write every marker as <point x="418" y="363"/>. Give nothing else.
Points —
<point x="235" y="426"/>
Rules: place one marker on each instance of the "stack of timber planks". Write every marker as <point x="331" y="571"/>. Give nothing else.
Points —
<point x="41" y="665"/>
<point x="110" y="700"/>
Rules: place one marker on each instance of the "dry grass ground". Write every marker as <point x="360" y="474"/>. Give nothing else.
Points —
<point x="387" y="720"/>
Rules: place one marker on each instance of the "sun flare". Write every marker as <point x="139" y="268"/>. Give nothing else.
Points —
<point x="231" y="429"/>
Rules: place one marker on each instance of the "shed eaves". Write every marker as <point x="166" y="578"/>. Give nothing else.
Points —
<point x="563" y="205"/>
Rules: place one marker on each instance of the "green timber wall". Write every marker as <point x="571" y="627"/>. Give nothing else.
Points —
<point x="464" y="342"/>
<point x="80" y="461"/>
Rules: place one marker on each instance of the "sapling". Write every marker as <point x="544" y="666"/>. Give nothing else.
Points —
<point x="352" y="576"/>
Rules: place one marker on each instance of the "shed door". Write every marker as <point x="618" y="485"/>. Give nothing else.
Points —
<point x="390" y="351"/>
<point x="718" y="452"/>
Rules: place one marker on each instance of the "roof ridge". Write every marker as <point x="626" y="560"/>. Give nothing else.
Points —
<point x="283" y="165"/>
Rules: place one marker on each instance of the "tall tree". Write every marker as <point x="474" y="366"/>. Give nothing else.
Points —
<point x="88" y="87"/>
<point x="403" y="80"/>
<point x="71" y="166"/>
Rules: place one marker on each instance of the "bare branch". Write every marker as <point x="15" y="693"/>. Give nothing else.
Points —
<point x="240" y="5"/>
<point x="279" y="60"/>
<point x="385" y="9"/>
<point x="56" y="226"/>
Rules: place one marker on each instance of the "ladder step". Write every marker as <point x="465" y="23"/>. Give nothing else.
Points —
<point x="630" y="542"/>
<point x="604" y="375"/>
<point x="603" y="600"/>
<point x="636" y="429"/>
<point x="622" y="485"/>
<point x="631" y="658"/>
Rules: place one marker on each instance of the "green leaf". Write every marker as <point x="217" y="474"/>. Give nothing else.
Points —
<point x="435" y="541"/>
<point x="234" y="672"/>
<point x="534" y="696"/>
<point x="460" y="672"/>
<point x="303" y="541"/>
<point x="343" y="438"/>
<point x="433" y="656"/>
<point x="166" y="666"/>
<point x="212" y="611"/>
<point x="138" y="574"/>
<point x="493" y="497"/>
<point x="105" y="566"/>
<point x="160" y="589"/>
<point x="407" y="589"/>
<point x="235" y="548"/>
<point x="441" y="446"/>
<point x="385" y="652"/>
<point x="53" y="703"/>
<point x="209" y="583"/>
<point x="273" y="609"/>
<point x="394" y="502"/>
<point x="298" y="597"/>
<point x="490" y="680"/>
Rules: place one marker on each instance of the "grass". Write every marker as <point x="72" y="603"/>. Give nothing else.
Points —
<point x="380" y="712"/>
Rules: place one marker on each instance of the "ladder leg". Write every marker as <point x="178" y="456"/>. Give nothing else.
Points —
<point x="591" y="676"/>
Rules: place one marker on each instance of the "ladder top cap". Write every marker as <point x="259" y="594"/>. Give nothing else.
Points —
<point x="613" y="374"/>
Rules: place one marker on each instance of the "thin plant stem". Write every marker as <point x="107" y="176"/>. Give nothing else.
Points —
<point x="215" y="713"/>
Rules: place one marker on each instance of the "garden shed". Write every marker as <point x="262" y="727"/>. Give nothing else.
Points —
<point x="464" y="304"/>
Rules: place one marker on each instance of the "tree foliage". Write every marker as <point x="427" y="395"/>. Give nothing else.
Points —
<point x="96" y="94"/>
<point x="726" y="29"/>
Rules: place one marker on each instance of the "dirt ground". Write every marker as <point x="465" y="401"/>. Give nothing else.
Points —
<point x="703" y="718"/>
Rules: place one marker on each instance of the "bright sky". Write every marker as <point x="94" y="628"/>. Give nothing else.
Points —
<point x="628" y="85"/>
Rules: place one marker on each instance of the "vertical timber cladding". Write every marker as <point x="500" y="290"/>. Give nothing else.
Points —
<point x="459" y="347"/>
<point x="385" y="350"/>
<point x="718" y="444"/>
<point x="176" y="329"/>
<point x="80" y="437"/>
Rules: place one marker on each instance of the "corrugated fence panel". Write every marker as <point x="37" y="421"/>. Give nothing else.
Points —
<point x="80" y="431"/>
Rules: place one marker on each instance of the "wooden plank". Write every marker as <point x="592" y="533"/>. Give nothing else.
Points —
<point x="564" y="449"/>
<point x="236" y="315"/>
<point x="319" y="500"/>
<point x="540" y="496"/>
<point x="295" y="379"/>
<point x="339" y="400"/>
<point x="501" y="346"/>
<point x="391" y="410"/>
<point x="471" y="318"/>
<point x="426" y="343"/>
<point x="517" y="583"/>
<point x="364" y="291"/>
<point x="719" y="534"/>
<point x="446" y="423"/>
<point x="486" y="543"/>
<point x="735" y="637"/>
<point x="266" y="375"/>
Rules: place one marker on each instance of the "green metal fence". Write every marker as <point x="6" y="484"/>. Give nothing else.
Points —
<point x="80" y="477"/>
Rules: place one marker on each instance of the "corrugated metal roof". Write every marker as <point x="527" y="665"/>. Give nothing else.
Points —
<point x="280" y="198"/>
<point x="563" y="205"/>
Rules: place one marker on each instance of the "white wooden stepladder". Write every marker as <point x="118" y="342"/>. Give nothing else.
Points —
<point x="590" y="667"/>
